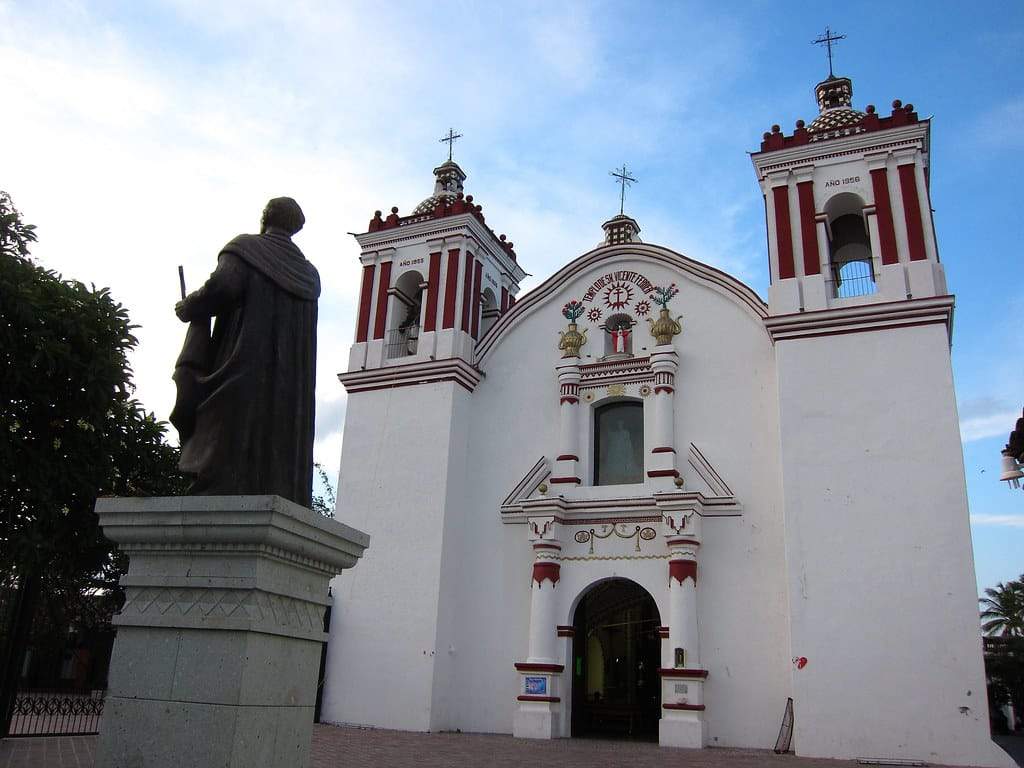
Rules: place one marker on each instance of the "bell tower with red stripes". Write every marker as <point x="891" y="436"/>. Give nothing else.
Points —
<point x="871" y="462"/>
<point x="433" y="283"/>
<point x="847" y="206"/>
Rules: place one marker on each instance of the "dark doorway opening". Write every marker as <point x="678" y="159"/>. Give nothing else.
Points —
<point x="616" y="691"/>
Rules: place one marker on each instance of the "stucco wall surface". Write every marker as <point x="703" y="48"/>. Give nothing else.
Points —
<point x="881" y="573"/>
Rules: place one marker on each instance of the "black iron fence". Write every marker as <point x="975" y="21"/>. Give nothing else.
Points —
<point x="853" y="278"/>
<point x="56" y="713"/>
<point x="402" y="342"/>
<point x="57" y="655"/>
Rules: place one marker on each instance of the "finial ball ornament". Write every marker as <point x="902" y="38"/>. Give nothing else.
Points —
<point x="896" y="103"/>
<point x="870" y="109"/>
<point x="800" y="123"/>
<point x="679" y="482"/>
<point x="394" y="209"/>
<point x="776" y="128"/>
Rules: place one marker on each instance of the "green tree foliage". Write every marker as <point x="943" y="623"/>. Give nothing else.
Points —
<point x="1002" y="618"/>
<point x="70" y="430"/>
<point x="1003" y="609"/>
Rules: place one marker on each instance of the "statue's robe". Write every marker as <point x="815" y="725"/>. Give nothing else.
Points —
<point x="246" y="393"/>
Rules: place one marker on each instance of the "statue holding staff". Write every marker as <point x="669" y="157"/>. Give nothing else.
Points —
<point x="245" y="408"/>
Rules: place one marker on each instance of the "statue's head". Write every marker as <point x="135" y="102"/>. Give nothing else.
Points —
<point x="282" y="213"/>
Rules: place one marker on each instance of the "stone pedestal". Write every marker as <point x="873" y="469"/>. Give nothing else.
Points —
<point x="218" y="643"/>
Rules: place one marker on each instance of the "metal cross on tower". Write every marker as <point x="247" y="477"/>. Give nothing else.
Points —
<point x="624" y="180"/>
<point x="827" y="40"/>
<point x="450" y="138"/>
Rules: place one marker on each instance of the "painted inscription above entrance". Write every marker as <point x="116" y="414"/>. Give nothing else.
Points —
<point x="614" y="286"/>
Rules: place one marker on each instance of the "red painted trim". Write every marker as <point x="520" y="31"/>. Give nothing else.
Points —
<point x="567" y="457"/>
<point x="566" y="631"/>
<point x="808" y="227"/>
<point x="433" y="284"/>
<point x="663" y="449"/>
<point x="467" y="288"/>
<point x="783" y="232"/>
<point x="566" y="480"/>
<point x="382" y="300"/>
<point x="883" y="212"/>
<point x="681" y="570"/>
<point x="451" y="280"/>
<point x="663" y="473"/>
<point x="526" y="666"/>
<point x="504" y="300"/>
<point x="549" y="699"/>
<point x="682" y="540"/>
<point x="545" y="569"/>
<point x="844" y="331"/>
<point x="663" y="632"/>
<point x="365" y="297"/>
<point x="547" y="545"/>
<point x="568" y="399"/>
<point x="663" y="388"/>
<point x="912" y="212"/>
<point x="477" y="277"/>
<point x="683" y="672"/>
<point x="685" y="707"/>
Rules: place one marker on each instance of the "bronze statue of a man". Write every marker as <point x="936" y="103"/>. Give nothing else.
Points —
<point x="245" y="408"/>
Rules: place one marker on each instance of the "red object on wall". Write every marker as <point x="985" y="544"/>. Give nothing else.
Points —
<point x="477" y="277"/>
<point x="681" y="570"/>
<point x="450" y="282"/>
<point x="433" y="283"/>
<point x="546" y="570"/>
<point x="783" y="232"/>
<point x="382" y="300"/>
<point x="365" y="296"/>
<point x="808" y="228"/>
<point x="511" y="301"/>
<point x="467" y="287"/>
<point x="912" y="212"/>
<point x="504" y="300"/>
<point x="883" y="210"/>
<point x="800" y="662"/>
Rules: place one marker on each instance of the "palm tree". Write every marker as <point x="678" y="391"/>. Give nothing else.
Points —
<point x="1003" y="609"/>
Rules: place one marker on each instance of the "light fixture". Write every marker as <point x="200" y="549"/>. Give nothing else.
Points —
<point x="1011" y="470"/>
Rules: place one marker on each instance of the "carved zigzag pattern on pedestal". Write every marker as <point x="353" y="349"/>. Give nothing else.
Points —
<point x="252" y="604"/>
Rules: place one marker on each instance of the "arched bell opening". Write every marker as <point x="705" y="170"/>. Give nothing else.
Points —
<point x="489" y="311"/>
<point x="852" y="269"/>
<point x="616" y="688"/>
<point x="406" y="304"/>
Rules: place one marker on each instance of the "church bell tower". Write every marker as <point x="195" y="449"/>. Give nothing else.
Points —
<point x="880" y="573"/>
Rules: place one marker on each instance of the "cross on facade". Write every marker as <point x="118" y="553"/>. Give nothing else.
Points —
<point x="827" y="40"/>
<point x="450" y="139"/>
<point x="624" y="180"/>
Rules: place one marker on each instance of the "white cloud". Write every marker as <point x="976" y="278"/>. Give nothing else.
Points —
<point x="1007" y="521"/>
<point x="986" y="416"/>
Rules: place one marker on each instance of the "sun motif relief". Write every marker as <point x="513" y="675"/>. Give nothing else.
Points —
<point x="643" y="307"/>
<point x="618" y="295"/>
<point x="594" y="314"/>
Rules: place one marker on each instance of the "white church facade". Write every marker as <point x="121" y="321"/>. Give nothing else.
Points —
<point x="642" y="501"/>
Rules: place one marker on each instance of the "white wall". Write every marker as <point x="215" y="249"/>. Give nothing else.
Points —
<point x="881" y="574"/>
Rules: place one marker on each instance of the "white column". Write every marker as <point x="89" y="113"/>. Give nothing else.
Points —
<point x="661" y="459"/>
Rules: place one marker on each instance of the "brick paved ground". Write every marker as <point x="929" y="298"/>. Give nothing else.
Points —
<point x="336" y="747"/>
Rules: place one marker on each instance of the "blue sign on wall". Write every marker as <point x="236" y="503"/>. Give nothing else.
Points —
<point x="536" y="686"/>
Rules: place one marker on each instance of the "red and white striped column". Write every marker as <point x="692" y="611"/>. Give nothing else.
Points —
<point x="661" y="462"/>
<point x="682" y="692"/>
<point x="567" y="463"/>
<point x="539" y="711"/>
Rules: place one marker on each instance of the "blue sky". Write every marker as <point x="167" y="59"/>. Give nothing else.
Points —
<point x="143" y="135"/>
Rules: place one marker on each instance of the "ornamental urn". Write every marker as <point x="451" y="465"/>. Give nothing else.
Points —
<point x="571" y="341"/>
<point x="664" y="328"/>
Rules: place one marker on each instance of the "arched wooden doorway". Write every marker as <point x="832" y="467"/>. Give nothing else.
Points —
<point x="616" y="691"/>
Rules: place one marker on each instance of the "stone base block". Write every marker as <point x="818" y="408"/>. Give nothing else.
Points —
<point x="682" y="729"/>
<point x="536" y="721"/>
<point x="179" y="734"/>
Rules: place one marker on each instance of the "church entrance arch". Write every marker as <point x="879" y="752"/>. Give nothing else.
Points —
<point x="616" y="691"/>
